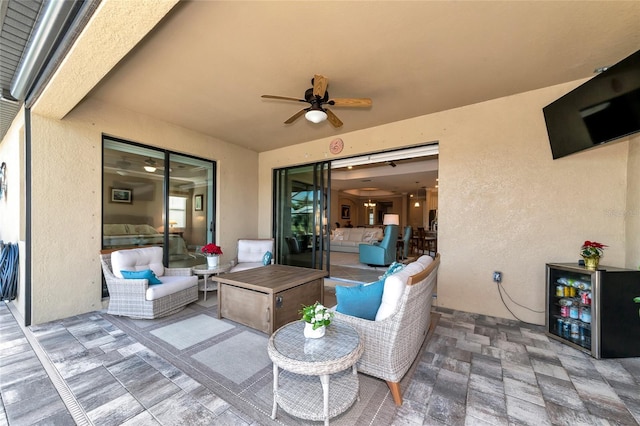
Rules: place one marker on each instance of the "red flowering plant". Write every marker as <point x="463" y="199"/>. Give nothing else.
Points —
<point x="211" y="250"/>
<point x="592" y="249"/>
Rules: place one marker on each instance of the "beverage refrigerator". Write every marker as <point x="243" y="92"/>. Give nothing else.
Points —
<point x="594" y="311"/>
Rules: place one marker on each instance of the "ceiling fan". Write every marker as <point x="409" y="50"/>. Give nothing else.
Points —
<point x="123" y="164"/>
<point x="318" y="97"/>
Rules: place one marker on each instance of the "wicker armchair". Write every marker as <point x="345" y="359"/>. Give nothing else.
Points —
<point x="392" y="344"/>
<point x="133" y="298"/>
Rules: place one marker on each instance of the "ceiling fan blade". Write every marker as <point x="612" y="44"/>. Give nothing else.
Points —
<point x="351" y="102"/>
<point x="282" y="98"/>
<point x="295" y="116"/>
<point x="320" y="83"/>
<point x="332" y="118"/>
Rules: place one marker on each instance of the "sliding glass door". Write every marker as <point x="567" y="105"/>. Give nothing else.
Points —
<point x="190" y="216"/>
<point x="154" y="197"/>
<point x="301" y="207"/>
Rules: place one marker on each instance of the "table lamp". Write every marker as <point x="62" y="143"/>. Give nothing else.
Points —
<point x="391" y="219"/>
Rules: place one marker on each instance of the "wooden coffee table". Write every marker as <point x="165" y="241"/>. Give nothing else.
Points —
<point x="268" y="297"/>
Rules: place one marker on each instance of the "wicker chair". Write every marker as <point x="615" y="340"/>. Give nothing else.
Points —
<point x="392" y="344"/>
<point x="251" y="253"/>
<point x="130" y="297"/>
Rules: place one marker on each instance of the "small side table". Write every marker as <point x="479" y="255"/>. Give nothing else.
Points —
<point x="205" y="271"/>
<point x="329" y="358"/>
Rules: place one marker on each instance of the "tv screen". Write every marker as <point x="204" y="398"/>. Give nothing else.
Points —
<point x="603" y="109"/>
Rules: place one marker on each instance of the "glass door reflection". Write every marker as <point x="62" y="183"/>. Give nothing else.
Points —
<point x="189" y="216"/>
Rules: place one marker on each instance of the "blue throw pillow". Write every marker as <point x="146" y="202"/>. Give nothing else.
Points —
<point x="266" y="259"/>
<point x="393" y="268"/>
<point x="361" y="301"/>
<point x="144" y="274"/>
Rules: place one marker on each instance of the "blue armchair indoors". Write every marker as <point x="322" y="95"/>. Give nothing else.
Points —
<point x="382" y="253"/>
<point x="406" y="240"/>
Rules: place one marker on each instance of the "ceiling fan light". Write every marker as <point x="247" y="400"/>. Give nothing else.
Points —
<point x="316" y="116"/>
<point x="150" y="165"/>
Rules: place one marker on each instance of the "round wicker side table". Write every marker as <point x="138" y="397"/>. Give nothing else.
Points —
<point x="309" y="365"/>
<point x="205" y="271"/>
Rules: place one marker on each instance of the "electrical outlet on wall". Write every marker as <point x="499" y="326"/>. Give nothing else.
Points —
<point x="497" y="277"/>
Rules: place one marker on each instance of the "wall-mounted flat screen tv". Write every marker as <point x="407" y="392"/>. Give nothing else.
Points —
<point x="603" y="109"/>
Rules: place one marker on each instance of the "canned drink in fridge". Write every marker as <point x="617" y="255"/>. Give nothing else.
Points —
<point x="575" y="330"/>
<point x="566" y="329"/>
<point x="585" y="314"/>
<point x="564" y="311"/>
<point x="574" y="312"/>
<point x="560" y="290"/>
<point x="559" y="325"/>
<point x="585" y="298"/>
<point x="587" y="335"/>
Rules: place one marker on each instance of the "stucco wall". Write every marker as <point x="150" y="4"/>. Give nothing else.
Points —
<point x="504" y="204"/>
<point x="12" y="153"/>
<point x="12" y="204"/>
<point x="67" y="198"/>
<point x="631" y="213"/>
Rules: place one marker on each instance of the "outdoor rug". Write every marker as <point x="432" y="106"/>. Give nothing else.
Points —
<point x="231" y="360"/>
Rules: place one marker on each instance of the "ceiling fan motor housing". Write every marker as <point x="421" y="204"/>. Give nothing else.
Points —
<point x="311" y="98"/>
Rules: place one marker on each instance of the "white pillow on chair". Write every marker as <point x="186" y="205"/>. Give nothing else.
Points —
<point x="252" y="251"/>
<point x="137" y="260"/>
<point x="394" y="286"/>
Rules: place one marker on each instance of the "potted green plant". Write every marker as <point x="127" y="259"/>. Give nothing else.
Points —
<point x="316" y="318"/>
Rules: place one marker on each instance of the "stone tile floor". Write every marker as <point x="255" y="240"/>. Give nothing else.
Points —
<point x="476" y="370"/>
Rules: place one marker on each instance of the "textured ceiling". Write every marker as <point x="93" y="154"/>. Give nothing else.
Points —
<point x="205" y="66"/>
<point x="18" y="19"/>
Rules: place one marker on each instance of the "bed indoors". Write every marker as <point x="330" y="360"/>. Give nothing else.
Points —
<point x="129" y="231"/>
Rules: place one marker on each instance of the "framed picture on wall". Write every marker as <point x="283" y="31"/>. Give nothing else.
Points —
<point x="346" y="211"/>
<point x="198" y="203"/>
<point x="119" y="195"/>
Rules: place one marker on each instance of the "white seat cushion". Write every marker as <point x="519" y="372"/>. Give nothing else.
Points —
<point x="170" y="284"/>
<point x="246" y="265"/>
<point x="137" y="260"/>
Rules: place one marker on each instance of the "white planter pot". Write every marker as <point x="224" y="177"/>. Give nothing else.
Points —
<point x="212" y="261"/>
<point x="310" y="333"/>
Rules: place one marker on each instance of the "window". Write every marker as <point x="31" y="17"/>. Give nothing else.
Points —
<point x="147" y="200"/>
<point x="177" y="212"/>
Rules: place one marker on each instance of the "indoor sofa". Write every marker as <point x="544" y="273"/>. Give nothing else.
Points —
<point x="138" y="297"/>
<point x="393" y="340"/>
<point x="348" y="239"/>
